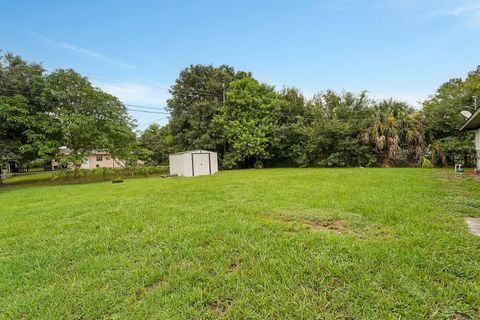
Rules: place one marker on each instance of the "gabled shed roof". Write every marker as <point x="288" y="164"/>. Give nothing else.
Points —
<point x="193" y="151"/>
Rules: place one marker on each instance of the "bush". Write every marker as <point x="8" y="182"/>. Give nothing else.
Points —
<point x="424" y="162"/>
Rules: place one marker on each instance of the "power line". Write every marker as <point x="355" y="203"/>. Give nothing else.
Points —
<point x="149" y="123"/>
<point x="125" y="104"/>
<point x="204" y="93"/>
<point x="147" y="111"/>
<point x="144" y="107"/>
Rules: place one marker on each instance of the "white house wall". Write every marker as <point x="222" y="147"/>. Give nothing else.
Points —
<point x="85" y="164"/>
<point x="477" y="147"/>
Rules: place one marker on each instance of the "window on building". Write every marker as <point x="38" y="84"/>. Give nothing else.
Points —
<point x="99" y="158"/>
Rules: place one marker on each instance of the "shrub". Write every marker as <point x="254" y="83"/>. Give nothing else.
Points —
<point x="424" y="162"/>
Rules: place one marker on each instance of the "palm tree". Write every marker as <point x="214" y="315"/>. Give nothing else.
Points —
<point x="437" y="153"/>
<point x="395" y="129"/>
<point x="414" y="137"/>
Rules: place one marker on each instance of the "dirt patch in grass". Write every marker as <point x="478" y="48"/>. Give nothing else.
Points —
<point x="141" y="292"/>
<point x="215" y="308"/>
<point x="234" y="266"/>
<point x="331" y="220"/>
<point x="331" y="225"/>
<point x="461" y="317"/>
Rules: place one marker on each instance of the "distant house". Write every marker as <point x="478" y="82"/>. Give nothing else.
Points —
<point x="96" y="159"/>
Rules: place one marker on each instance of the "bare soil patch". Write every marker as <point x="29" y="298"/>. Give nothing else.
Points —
<point x="331" y="225"/>
<point x="215" y="308"/>
<point x="141" y="292"/>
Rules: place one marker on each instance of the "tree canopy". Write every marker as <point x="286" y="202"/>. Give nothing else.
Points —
<point x="21" y="109"/>
<point x="41" y="112"/>
<point x="85" y="117"/>
<point x="197" y="95"/>
<point x="159" y="140"/>
<point x="249" y="123"/>
<point x="443" y="119"/>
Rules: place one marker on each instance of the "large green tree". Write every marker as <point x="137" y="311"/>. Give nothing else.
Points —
<point x="337" y="121"/>
<point x="443" y="119"/>
<point x="295" y="117"/>
<point x="22" y="112"/>
<point x="14" y="116"/>
<point x="197" y="95"/>
<point x="248" y="123"/>
<point x="159" y="140"/>
<point x="85" y="117"/>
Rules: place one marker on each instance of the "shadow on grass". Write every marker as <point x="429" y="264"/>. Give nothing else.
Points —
<point x="62" y="178"/>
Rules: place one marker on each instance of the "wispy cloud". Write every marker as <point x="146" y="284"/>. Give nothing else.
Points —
<point x="466" y="11"/>
<point x="138" y="93"/>
<point x="469" y="10"/>
<point x="145" y="94"/>
<point x="84" y="52"/>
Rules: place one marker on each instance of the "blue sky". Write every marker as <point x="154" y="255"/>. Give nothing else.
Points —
<point x="135" y="49"/>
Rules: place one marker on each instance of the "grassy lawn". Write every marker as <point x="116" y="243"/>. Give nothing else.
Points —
<point x="260" y="244"/>
<point x="29" y="179"/>
<point x="84" y="176"/>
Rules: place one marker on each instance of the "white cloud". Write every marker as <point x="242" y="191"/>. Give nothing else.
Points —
<point x="466" y="11"/>
<point x="145" y="94"/>
<point x="85" y="52"/>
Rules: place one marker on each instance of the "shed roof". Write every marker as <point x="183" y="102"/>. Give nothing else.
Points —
<point x="193" y="151"/>
<point x="473" y="122"/>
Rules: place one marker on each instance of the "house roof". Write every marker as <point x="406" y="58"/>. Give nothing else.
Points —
<point x="65" y="151"/>
<point x="193" y="151"/>
<point x="473" y="122"/>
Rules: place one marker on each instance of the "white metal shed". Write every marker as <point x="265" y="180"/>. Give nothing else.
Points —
<point x="193" y="163"/>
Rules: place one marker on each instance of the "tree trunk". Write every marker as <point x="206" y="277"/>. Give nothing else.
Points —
<point x="385" y="157"/>
<point x="76" y="170"/>
<point x="465" y="159"/>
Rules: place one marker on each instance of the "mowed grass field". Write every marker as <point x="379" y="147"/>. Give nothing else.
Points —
<point x="251" y="244"/>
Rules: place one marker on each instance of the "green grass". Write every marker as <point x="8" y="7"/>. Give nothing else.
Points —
<point x="254" y="244"/>
<point x="84" y="176"/>
<point x="29" y="179"/>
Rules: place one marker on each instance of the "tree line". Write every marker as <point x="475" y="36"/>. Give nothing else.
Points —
<point x="249" y="123"/>
<point x="40" y="112"/>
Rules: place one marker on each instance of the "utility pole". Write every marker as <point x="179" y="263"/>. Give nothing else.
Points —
<point x="223" y="88"/>
<point x="224" y="139"/>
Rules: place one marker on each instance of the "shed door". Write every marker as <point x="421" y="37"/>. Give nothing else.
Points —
<point x="201" y="164"/>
